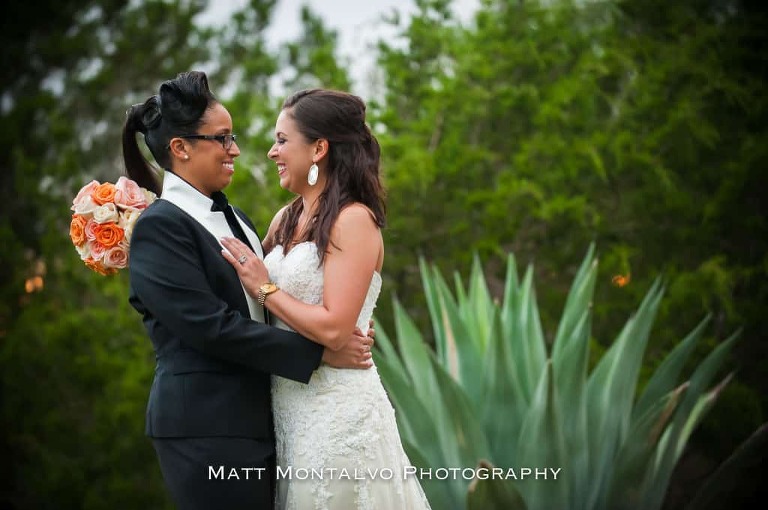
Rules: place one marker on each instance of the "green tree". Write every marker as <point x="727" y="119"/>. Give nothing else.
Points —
<point x="74" y="359"/>
<point x="543" y="126"/>
<point x="246" y="68"/>
<point x="313" y="60"/>
<point x="260" y="82"/>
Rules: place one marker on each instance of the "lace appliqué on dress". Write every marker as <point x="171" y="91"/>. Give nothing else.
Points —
<point x="336" y="437"/>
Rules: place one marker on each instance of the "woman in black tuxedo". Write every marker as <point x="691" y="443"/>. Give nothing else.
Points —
<point x="209" y="412"/>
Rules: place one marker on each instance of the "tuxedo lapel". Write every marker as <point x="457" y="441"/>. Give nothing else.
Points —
<point x="252" y="236"/>
<point x="180" y="193"/>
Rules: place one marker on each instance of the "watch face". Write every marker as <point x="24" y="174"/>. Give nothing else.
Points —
<point x="268" y="288"/>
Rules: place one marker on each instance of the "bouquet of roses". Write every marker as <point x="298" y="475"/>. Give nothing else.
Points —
<point x="103" y="220"/>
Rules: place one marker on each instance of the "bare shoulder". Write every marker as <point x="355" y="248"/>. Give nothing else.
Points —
<point x="358" y="213"/>
<point x="356" y="229"/>
<point x="356" y="224"/>
<point x="355" y="220"/>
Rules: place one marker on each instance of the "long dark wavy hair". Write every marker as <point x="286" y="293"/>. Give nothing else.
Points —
<point x="352" y="172"/>
<point x="176" y="110"/>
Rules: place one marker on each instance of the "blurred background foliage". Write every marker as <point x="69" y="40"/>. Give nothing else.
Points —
<point x="536" y="128"/>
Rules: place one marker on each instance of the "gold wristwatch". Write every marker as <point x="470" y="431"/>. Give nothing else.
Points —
<point x="265" y="290"/>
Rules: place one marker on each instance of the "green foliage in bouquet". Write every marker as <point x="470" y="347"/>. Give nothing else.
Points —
<point x="494" y="395"/>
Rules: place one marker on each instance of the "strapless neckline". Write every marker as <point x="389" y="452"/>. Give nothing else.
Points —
<point x="376" y="273"/>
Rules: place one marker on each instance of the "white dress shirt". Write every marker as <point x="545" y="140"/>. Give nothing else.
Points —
<point x="183" y="195"/>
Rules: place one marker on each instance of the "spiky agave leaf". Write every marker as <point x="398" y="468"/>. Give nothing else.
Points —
<point x="528" y="346"/>
<point x="442" y="422"/>
<point x="479" y="305"/>
<point x="415" y="425"/>
<point x="503" y="406"/>
<point x="439" y="494"/>
<point x="637" y="452"/>
<point x="689" y="414"/>
<point x="725" y="483"/>
<point x="458" y="353"/>
<point x="570" y="379"/>
<point x="462" y="429"/>
<point x="610" y="394"/>
<point x="542" y="446"/>
<point x="667" y="375"/>
<point x="506" y="395"/>
<point x="415" y="356"/>
<point x="492" y="493"/>
<point x="579" y="300"/>
<point x="570" y="357"/>
<point x="490" y="392"/>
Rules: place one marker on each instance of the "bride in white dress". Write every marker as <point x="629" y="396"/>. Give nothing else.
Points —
<point x="337" y="441"/>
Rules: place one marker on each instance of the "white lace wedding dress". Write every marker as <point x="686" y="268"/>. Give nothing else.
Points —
<point x="337" y="441"/>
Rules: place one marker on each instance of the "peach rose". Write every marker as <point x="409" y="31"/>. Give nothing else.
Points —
<point x="104" y="193"/>
<point x="99" y="267"/>
<point x="77" y="230"/>
<point x="85" y="191"/>
<point x="116" y="257"/>
<point x="129" y="195"/>
<point x="90" y="230"/>
<point x="97" y="250"/>
<point x="108" y="234"/>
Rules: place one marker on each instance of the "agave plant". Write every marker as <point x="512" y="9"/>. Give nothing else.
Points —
<point x="491" y="395"/>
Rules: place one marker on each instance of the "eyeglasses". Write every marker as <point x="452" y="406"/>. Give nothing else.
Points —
<point x="226" y="141"/>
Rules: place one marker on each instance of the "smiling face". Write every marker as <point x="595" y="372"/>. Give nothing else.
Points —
<point x="292" y="153"/>
<point x="205" y="164"/>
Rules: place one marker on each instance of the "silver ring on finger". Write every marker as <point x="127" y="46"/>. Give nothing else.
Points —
<point x="242" y="259"/>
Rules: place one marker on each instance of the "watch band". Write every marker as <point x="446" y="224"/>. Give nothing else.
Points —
<point x="265" y="290"/>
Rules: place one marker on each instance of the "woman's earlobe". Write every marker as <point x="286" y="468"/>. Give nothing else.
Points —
<point x="322" y="147"/>
<point x="178" y="149"/>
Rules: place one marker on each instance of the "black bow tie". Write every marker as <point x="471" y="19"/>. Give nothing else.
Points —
<point x="220" y="202"/>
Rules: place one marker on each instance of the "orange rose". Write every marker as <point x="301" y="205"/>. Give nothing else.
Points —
<point x="99" y="267"/>
<point x="77" y="230"/>
<point x="104" y="193"/>
<point x="108" y="234"/>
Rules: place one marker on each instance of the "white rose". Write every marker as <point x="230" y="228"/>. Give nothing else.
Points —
<point x="85" y="206"/>
<point x="105" y="213"/>
<point x="149" y="195"/>
<point x="84" y="251"/>
<point x="127" y="221"/>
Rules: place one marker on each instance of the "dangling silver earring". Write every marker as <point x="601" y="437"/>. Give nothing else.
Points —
<point x="312" y="176"/>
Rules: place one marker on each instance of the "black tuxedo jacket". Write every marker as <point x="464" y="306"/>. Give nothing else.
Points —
<point x="213" y="362"/>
